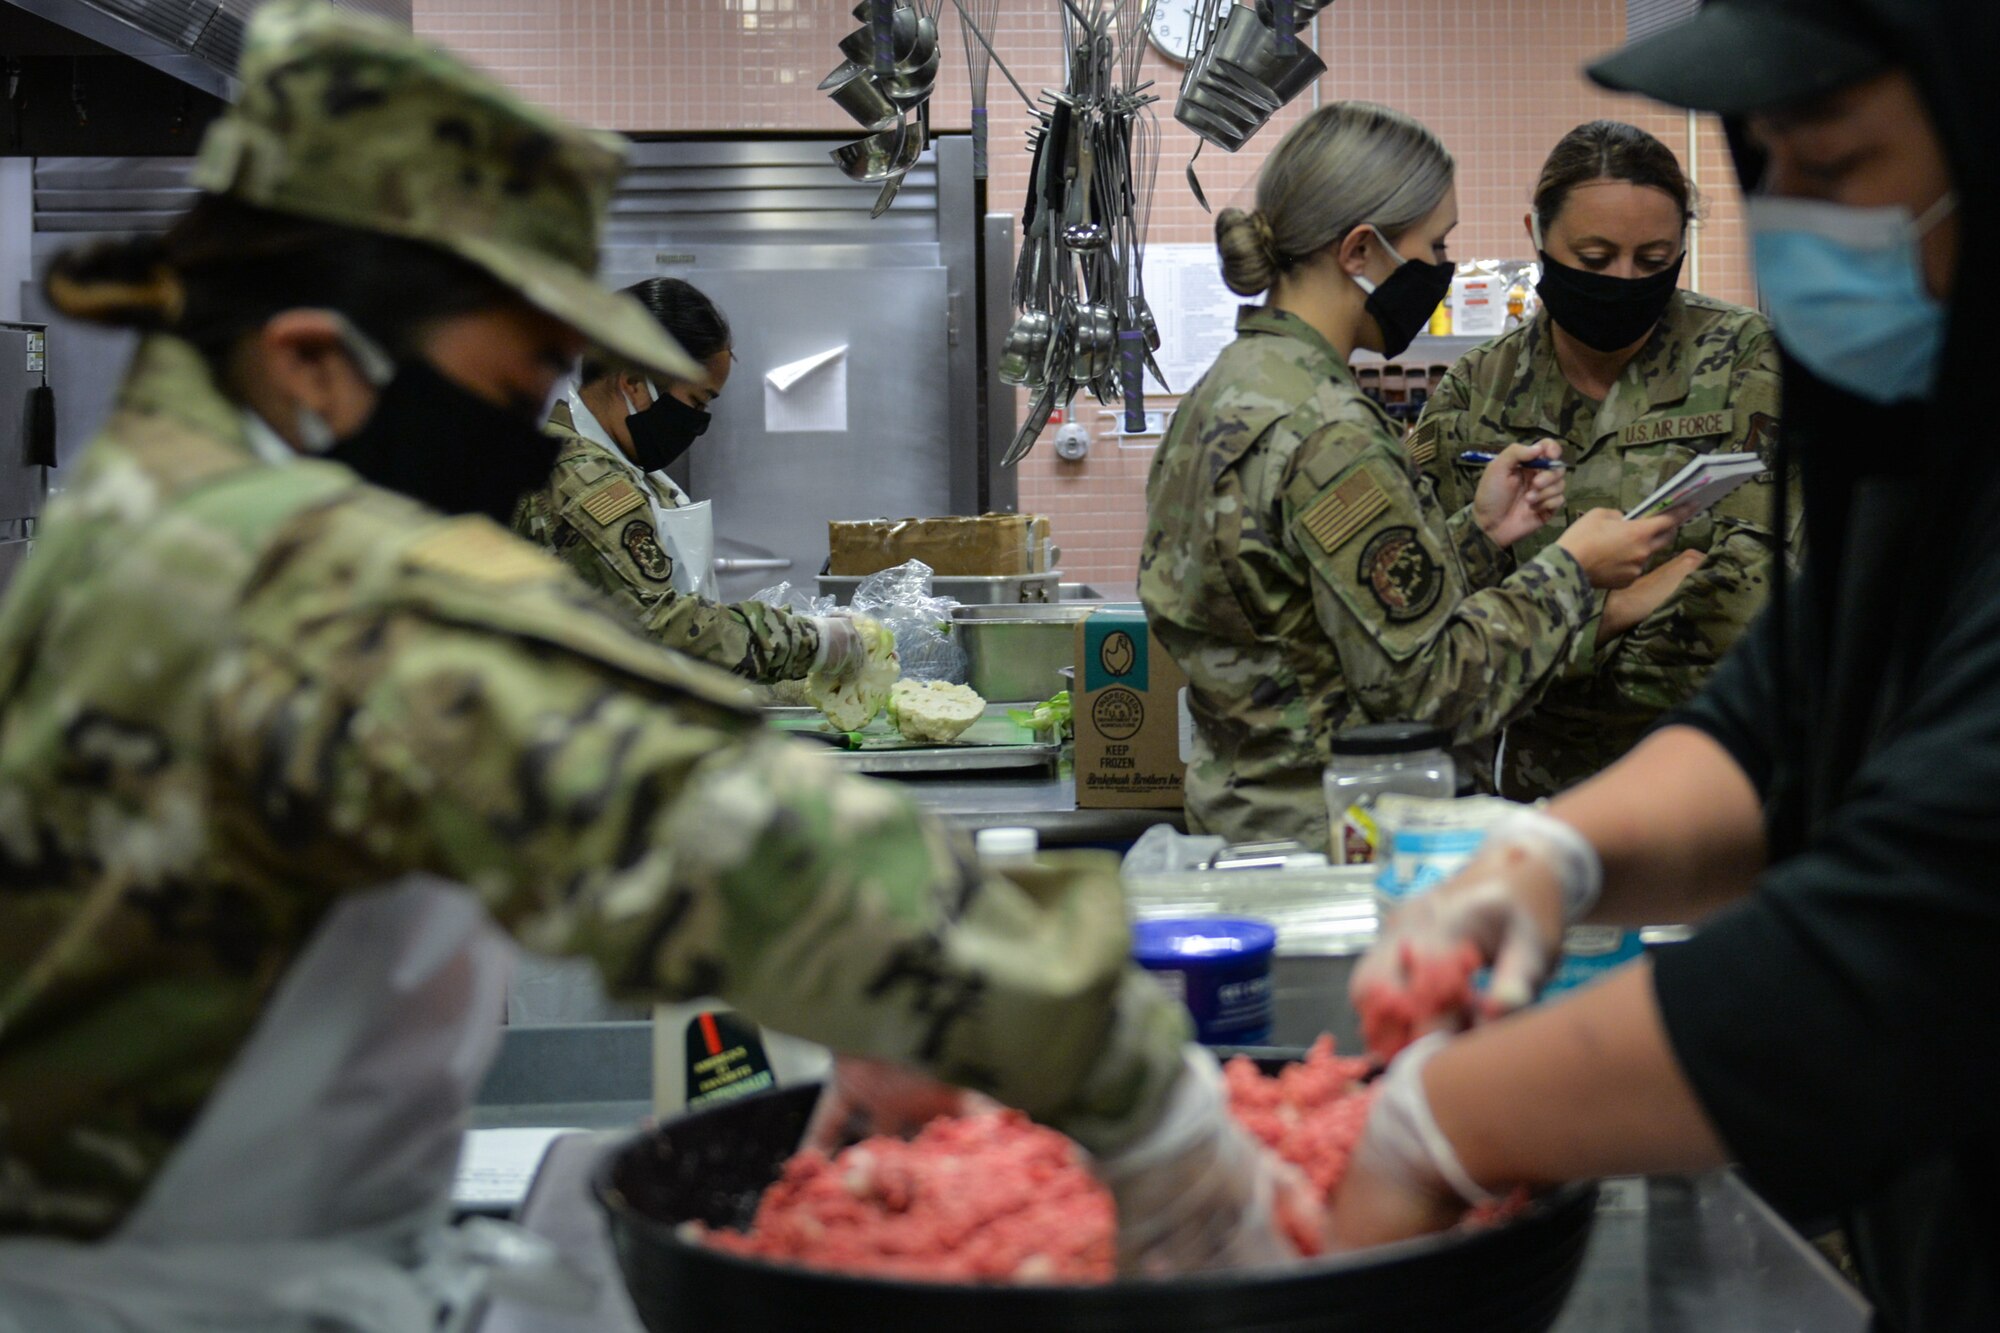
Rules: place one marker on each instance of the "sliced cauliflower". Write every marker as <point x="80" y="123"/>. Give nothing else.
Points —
<point x="933" y="710"/>
<point x="852" y="704"/>
<point x="791" y="693"/>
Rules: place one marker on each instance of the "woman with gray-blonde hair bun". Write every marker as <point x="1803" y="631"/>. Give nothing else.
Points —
<point x="1294" y="565"/>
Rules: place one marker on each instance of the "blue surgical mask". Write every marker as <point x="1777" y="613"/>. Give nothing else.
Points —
<point x="1845" y="287"/>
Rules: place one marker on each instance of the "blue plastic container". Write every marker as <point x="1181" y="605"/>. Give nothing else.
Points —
<point x="1219" y="967"/>
<point x="1590" y="953"/>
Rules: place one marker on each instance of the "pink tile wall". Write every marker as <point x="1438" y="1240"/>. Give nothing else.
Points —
<point x="1497" y="79"/>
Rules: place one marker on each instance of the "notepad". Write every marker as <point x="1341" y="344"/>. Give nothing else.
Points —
<point x="1701" y="485"/>
<point x="496" y="1166"/>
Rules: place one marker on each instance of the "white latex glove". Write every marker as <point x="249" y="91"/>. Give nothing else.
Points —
<point x="842" y="650"/>
<point x="1534" y="876"/>
<point x="1198" y="1192"/>
<point x="867" y="1097"/>
<point x="1403" y="1143"/>
<point x="1405" y="1179"/>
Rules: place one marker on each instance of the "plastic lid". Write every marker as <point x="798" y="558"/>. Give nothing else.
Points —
<point x="1389" y="738"/>
<point x="998" y="842"/>
<point x="1182" y="940"/>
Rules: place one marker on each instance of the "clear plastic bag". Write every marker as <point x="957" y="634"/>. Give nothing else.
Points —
<point x="1165" y="850"/>
<point x="790" y="596"/>
<point x="901" y="599"/>
<point x="793" y="598"/>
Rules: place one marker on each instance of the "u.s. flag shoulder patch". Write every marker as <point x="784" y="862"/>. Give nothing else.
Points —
<point x="1347" y="507"/>
<point x="609" y="503"/>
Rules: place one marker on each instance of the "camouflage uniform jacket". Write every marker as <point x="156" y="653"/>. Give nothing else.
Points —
<point x="1306" y="582"/>
<point x="595" y="519"/>
<point x="232" y="691"/>
<point x="1707" y="382"/>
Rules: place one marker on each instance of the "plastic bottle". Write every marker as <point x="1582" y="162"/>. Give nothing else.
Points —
<point x="706" y="1052"/>
<point x="1440" y="326"/>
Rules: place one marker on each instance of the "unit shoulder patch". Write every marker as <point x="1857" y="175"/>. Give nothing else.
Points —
<point x="1339" y="515"/>
<point x="474" y="548"/>
<point x="1403" y="576"/>
<point x="612" y="501"/>
<point x="643" y="545"/>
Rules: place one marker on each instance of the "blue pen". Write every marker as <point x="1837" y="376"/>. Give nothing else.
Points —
<point x="1481" y="457"/>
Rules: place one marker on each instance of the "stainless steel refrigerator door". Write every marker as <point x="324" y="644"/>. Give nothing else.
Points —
<point x="23" y="487"/>
<point x="774" y="492"/>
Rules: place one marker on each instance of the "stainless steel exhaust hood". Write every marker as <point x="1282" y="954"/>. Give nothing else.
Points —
<point x="1643" y="18"/>
<point x="194" y="41"/>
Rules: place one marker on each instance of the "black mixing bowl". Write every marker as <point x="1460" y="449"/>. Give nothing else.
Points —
<point x="712" y="1165"/>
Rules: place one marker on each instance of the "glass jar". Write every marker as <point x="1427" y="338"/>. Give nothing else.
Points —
<point x="1370" y="762"/>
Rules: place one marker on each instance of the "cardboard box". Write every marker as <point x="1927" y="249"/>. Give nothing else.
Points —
<point x="991" y="544"/>
<point x="1041" y="546"/>
<point x="1128" y="715"/>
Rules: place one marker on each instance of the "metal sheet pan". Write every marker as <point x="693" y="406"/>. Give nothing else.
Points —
<point x="949" y="759"/>
<point x="956" y="757"/>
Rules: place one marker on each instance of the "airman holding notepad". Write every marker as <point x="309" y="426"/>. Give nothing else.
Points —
<point x="1638" y="379"/>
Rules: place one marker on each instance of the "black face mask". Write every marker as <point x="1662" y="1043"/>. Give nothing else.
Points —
<point x="447" y="447"/>
<point x="664" y="431"/>
<point x="1602" y="312"/>
<point x="1402" y="304"/>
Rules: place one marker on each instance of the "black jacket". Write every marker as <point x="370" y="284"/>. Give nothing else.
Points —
<point x="1840" y="1025"/>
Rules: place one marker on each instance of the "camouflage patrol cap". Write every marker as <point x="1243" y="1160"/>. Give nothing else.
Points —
<point x="352" y="120"/>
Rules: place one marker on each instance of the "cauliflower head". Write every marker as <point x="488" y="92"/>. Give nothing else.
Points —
<point x="851" y="702"/>
<point x="933" y="710"/>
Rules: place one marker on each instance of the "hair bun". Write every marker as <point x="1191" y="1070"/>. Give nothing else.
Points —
<point x="1267" y="238"/>
<point x="1249" y="250"/>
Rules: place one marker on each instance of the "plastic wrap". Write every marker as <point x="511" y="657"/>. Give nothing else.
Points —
<point x="901" y="599"/>
<point x="794" y="598"/>
<point x="1165" y="850"/>
<point x="793" y="693"/>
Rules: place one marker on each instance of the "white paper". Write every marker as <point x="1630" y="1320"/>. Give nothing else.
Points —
<point x="1478" y="305"/>
<point x="496" y="1165"/>
<point x="808" y="394"/>
<point x="1701" y="485"/>
<point x="1196" y="314"/>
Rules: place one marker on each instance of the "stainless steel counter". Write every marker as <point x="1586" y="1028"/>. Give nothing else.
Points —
<point x="1041" y="802"/>
<point x="1669" y="1255"/>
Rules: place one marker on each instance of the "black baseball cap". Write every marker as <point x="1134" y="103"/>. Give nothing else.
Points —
<point x="1740" y="56"/>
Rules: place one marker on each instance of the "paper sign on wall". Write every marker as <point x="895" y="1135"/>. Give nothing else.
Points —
<point x="1195" y="312"/>
<point x="809" y="394"/>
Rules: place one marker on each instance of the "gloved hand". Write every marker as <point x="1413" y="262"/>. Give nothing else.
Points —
<point x="1405" y="1178"/>
<point x="1534" y="876"/>
<point x="1198" y="1192"/>
<point x="842" y="650"/>
<point x="866" y="1097"/>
